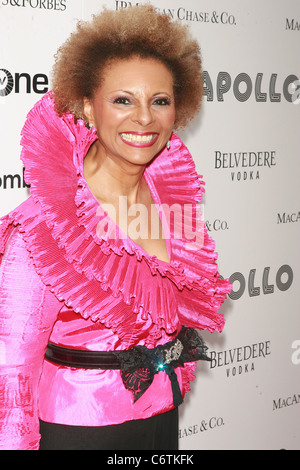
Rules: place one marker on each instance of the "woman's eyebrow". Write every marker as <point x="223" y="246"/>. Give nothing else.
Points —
<point x="123" y="91"/>
<point x="133" y="94"/>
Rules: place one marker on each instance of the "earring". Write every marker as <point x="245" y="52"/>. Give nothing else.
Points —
<point x="168" y="145"/>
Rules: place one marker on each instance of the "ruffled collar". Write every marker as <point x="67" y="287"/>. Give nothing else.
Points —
<point x="96" y="275"/>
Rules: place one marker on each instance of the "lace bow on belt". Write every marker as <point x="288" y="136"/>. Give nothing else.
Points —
<point x="139" y="364"/>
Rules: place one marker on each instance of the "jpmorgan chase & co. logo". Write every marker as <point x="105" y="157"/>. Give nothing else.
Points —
<point x="204" y="425"/>
<point x="184" y="14"/>
<point x="22" y="83"/>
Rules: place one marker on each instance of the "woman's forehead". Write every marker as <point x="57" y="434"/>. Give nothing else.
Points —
<point x="136" y="72"/>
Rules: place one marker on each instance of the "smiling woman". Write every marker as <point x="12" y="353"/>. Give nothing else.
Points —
<point x="133" y="111"/>
<point x="115" y="311"/>
<point x="140" y="32"/>
<point x="133" y="107"/>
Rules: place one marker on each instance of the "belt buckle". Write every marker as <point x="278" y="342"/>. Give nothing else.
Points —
<point x="171" y="354"/>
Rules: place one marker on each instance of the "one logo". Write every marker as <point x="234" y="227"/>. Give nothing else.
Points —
<point x="6" y="82"/>
<point x="22" y="83"/>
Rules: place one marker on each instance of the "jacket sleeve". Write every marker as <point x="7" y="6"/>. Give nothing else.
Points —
<point x="27" y="313"/>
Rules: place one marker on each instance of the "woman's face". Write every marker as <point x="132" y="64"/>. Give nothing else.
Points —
<point x="133" y="110"/>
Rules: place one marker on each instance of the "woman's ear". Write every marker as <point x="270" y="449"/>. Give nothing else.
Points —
<point x="88" y="110"/>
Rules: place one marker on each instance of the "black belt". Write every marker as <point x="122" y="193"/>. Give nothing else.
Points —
<point x="139" y="364"/>
<point x="82" y="359"/>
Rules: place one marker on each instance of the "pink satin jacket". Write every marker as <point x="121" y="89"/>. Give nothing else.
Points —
<point x="65" y="278"/>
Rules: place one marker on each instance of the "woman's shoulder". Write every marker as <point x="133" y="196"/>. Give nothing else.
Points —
<point x="10" y="223"/>
<point x="27" y="208"/>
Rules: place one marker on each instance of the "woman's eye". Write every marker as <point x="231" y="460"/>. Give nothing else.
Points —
<point x="121" y="100"/>
<point x="162" y="102"/>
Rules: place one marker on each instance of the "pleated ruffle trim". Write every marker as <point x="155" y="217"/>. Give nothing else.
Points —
<point x="113" y="281"/>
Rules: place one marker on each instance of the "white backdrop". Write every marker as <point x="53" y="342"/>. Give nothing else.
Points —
<point x="246" y="144"/>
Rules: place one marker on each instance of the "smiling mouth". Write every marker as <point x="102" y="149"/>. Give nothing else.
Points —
<point x="139" y="140"/>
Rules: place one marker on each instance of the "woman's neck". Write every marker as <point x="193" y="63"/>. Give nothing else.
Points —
<point x="109" y="179"/>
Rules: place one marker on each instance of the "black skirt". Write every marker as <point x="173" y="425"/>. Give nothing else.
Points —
<point x="157" y="433"/>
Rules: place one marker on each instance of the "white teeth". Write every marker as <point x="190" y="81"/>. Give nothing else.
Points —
<point x="142" y="139"/>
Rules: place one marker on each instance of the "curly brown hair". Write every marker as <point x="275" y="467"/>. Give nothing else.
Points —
<point x="134" y="31"/>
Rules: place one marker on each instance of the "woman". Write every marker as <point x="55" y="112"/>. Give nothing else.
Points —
<point x="101" y="285"/>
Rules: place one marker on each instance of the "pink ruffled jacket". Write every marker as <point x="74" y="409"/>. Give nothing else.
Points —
<point x="64" y="279"/>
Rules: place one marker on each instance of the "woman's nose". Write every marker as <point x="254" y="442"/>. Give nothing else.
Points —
<point x="143" y="115"/>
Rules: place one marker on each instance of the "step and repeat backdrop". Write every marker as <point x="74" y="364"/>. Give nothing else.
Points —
<point x="245" y="143"/>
